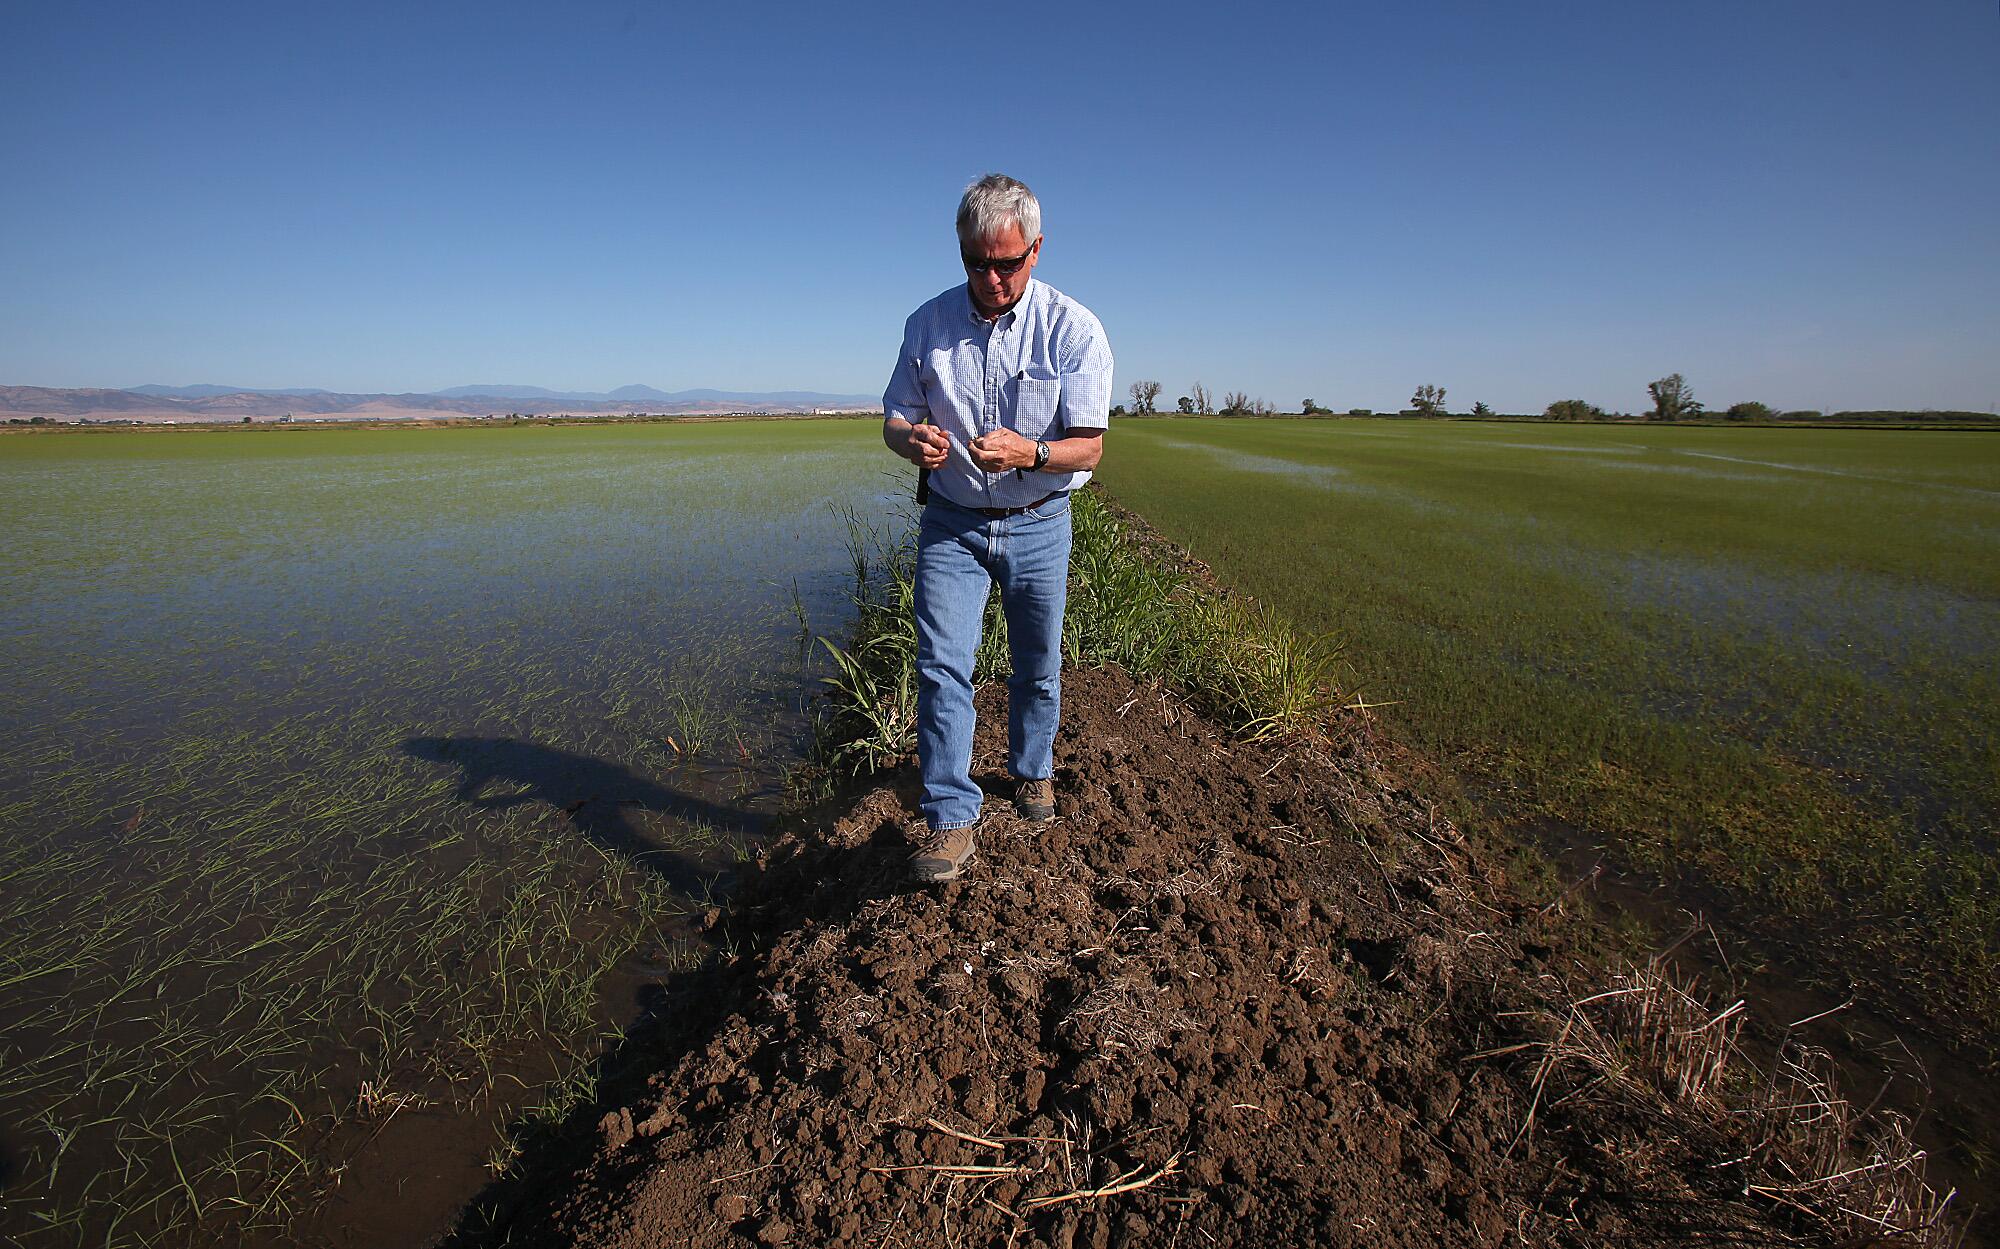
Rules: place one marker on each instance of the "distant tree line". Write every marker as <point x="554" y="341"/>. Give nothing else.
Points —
<point x="1672" y="399"/>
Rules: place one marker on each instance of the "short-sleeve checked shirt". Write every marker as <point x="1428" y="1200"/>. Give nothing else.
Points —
<point x="1041" y="369"/>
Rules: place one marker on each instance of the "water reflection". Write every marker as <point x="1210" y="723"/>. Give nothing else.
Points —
<point x="1325" y="476"/>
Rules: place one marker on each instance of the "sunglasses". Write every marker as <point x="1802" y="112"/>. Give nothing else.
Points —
<point x="1006" y="266"/>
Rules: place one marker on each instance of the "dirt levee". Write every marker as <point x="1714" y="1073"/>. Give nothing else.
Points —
<point x="1233" y="995"/>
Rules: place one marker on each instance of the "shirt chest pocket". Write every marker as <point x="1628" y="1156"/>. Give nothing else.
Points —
<point x="1035" y="401"/>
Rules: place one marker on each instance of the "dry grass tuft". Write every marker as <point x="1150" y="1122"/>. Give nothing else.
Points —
<point x="1673" y="1037"/>
<point x="379" y="1101"/>
<point x="1859" y="1175"/>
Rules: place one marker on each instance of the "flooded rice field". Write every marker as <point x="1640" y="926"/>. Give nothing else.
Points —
<point x="357" y="783"/>
<point x="1763" y="660"/>
<point x="1834" y="595"/>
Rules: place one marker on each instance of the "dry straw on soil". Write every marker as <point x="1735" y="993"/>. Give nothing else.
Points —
<point x="1655" y="1045"/>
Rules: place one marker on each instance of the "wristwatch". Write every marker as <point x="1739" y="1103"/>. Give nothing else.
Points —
<point x="1041" y="456"/>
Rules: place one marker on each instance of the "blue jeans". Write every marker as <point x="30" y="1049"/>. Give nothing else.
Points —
<point x="959" y="554"/>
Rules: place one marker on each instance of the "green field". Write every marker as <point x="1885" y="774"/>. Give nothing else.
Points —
<point x="1762" y="661"/>
<point x="353" y="780"/>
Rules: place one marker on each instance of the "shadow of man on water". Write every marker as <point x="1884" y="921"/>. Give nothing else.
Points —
<point x="593" y="793"/>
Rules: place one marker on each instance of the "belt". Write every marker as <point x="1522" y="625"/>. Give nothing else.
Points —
<point x="995" y="513"/>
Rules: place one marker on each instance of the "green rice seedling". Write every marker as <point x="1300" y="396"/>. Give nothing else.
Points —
<point x="501" y="1158"/>
<point x="698" y="723"/>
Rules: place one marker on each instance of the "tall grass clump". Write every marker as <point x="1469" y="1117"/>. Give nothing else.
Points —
<point x="1133" y="602"/>
<point x="1138" y="603"/>
<point x="873" y="717"/>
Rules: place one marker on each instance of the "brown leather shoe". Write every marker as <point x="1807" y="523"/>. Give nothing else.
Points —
<point x="939" y="854"/>
<point x="1035" y="800"/>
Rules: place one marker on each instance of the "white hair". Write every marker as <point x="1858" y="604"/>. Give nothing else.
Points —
<point x="993" y="203"/>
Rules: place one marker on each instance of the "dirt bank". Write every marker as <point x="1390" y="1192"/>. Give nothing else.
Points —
<point x="1235" y="995"/>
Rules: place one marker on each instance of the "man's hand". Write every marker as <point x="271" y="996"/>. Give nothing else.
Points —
<point x="1002" y="449"/>
<point x="927" y="446"/>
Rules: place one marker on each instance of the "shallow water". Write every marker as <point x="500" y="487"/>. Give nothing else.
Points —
<point x="1328" y="475"/>
<point x="435" y="730"/>
<point x="1842" y="472"/>
<point x="1332" y="477"/>
<point x="1730" y="645"/>
<point x="402" y="582"/>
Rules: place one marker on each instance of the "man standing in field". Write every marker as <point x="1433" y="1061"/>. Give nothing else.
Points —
<point x="1002" y="394"/>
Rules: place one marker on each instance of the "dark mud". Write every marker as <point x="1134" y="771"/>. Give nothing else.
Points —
<point x="1233" y="995"/>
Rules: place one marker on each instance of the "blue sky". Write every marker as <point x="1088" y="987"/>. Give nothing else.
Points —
<point x="1792" y="202"/>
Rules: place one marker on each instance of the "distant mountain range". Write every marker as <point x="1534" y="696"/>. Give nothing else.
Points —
<point x="210" y="392"/>
<point x="208" y="402"/>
